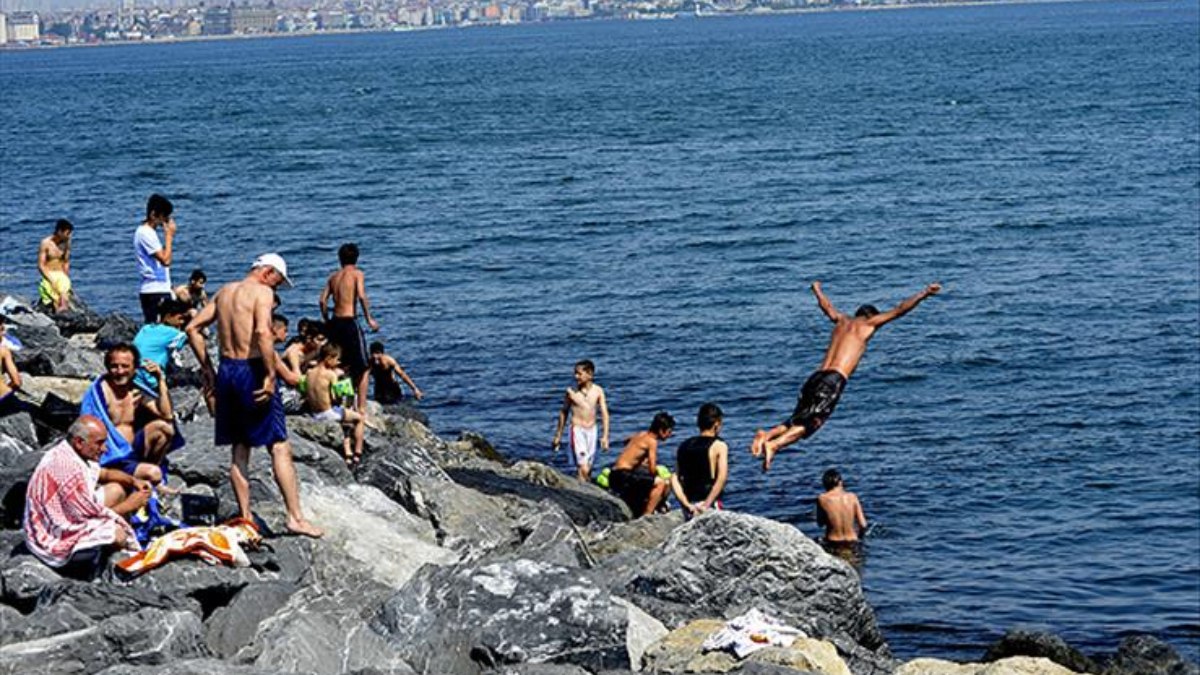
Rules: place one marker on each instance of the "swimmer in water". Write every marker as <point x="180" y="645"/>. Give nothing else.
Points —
<point x="841" y="514"/>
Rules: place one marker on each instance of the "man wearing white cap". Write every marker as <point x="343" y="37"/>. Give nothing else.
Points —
<point x="249" y="410"/>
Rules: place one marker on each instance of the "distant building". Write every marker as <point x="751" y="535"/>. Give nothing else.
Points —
<point x="23" y="27"/>
<point x="3" y="28"/>
<point x="252" y="20"/>
<point x="217" y="21"/>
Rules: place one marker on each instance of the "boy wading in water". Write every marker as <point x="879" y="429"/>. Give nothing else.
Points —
<point x="581" y="402"/>
<point x="319" y="396"/>
<point x="347" y="288"/>
<point x="821" y="392"/>
<point x="840" y="513"/>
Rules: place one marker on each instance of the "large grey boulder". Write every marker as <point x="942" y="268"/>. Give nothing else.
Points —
<point x="148" y="636"/>
<point x="464" y="520"/>
<point x="465" y="619"/>
<point x="1147" y="655"/>
<point x="324" y="632"/>
<point x="1047" y="645"/>
<point x="12" y="449"/>
<point x="233" y="626"/>
<point x="535" y="482"/>
<point x="190" y="667"/>
<point x="606" y="540"/>
<point x="46" y="352"/>
<point x="19" y="427"/>
<point x="366" y="533"/>
<point x="14" y="478"/>
<point x="114" y="329"/>
<point x="724" y="564"/>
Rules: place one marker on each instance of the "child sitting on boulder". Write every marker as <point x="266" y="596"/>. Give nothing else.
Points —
<point x="324" y="385"/>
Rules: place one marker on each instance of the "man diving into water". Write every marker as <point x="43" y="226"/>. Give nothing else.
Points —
<point x="821" y="392"/>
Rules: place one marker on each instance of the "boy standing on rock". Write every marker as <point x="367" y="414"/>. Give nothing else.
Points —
<point x="249" y="410"/>
<point x="154" y="257"/>
<point x="823" y="389"/>
<point x="347" y="287"/>
<point x="581" y="402"/>
<point x="54" y="264"/>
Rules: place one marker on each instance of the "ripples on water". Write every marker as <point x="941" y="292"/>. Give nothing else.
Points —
<point x="657" y="197"/>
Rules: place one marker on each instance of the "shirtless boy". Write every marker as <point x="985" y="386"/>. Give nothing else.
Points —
<point x="385" y="369"/>
<point x="193" y="292"/>
<point x="54" y="264"/>
<point x="841" y="514"/>
<point x="581" y="402"/>
<point x="634" y="477"/>
<point x="301" y="354"/>
<point x="347" y="287"/>
<point x="146" y="423"/>
<point x="319" y="397"/>
<point x="821" y="392"/>
<point x="9" y="403"/>
<point x="249" y="411"/>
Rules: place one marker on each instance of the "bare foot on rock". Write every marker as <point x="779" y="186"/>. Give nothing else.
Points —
<point x="304" y="528"/>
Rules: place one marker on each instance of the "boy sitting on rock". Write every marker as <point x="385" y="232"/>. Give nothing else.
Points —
<point x="324" y="384"/>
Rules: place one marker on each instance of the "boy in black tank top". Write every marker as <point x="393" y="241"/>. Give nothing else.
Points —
<point x="702" y="464"/>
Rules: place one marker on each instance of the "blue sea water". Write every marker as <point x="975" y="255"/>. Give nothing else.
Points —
<point x="658" y="196"/>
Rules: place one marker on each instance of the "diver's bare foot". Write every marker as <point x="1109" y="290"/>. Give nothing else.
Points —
<point x="768" y="454"/>
<point x="756" y="446"/>
<point x="304" y="528"/>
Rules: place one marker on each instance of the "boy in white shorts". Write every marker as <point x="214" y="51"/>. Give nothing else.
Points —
<point x="582" y="402"/>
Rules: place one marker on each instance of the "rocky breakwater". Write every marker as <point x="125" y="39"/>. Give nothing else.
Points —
<point x="441" y="556"/>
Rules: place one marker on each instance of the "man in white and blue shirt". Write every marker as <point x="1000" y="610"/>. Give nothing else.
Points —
<point x="154" y="257"/>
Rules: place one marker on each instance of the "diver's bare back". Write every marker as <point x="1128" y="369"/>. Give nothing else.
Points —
<point x="847" y="345"/>
<point x="343" y="286"/>
<point x="236" y="305"/>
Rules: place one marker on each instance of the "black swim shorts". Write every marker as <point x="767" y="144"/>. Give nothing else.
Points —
<point x="633" y="487"/>
<point x="347" y="334"/>
<point x="818" y="398"/>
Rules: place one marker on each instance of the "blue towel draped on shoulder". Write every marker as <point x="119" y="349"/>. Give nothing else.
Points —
<point x="118" y="452"/>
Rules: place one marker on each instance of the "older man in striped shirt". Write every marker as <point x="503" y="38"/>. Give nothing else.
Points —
<point x="74" y="510"/>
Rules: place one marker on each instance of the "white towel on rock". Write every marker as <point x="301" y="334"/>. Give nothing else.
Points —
<point x="751" y="632"/>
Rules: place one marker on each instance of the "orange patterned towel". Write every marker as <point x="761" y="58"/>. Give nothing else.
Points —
<point x="218" y="544"/>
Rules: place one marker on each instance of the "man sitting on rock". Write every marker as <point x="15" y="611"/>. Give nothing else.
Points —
<point x="141" y="429"/>
<point x="9" y="403"/>
<point x="74" y="510"/>
<point x="702" y="464"/>
<point x="634" y="476"/>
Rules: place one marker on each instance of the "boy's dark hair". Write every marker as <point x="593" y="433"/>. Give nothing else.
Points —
<point x="662" y="422"/>
<point x="63" y="225"/>
<point x="279" y="318"/>
<point x="198" y="275"/>
<point x="377" y="347"/>
<point x="831" y="478"/>
<point x="587" y="365"/>
<point x="710" y="413"/>
<point x="329" y="349"/>
<point x="123" y="347"/>
<point x="866" y="311"/>
<point x="348" y="254"/>
<point x="171" y="306"/>
<point x="312" y="327"/>
<point x="159" y="205"/>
